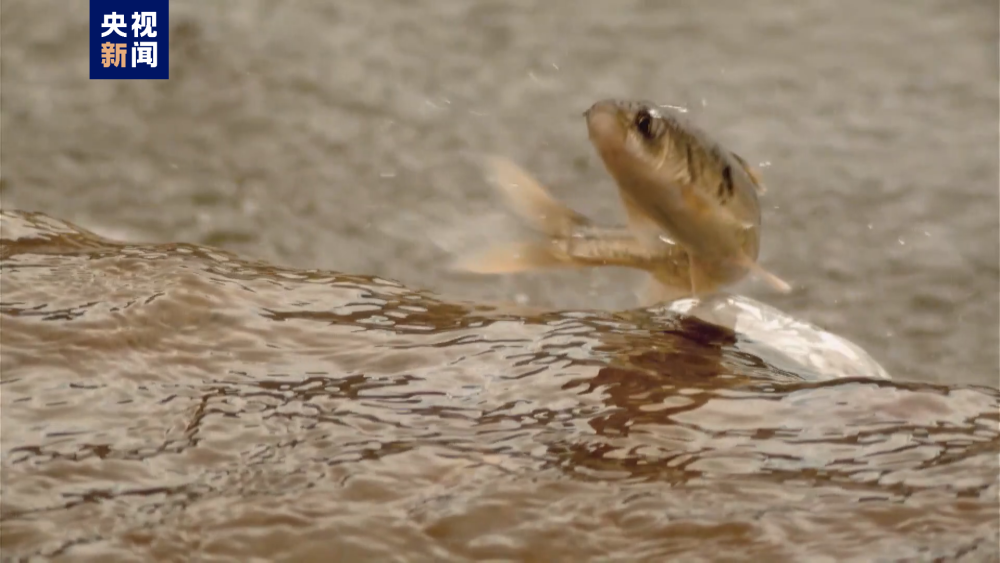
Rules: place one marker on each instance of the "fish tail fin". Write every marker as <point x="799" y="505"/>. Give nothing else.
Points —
<point x="531" y="200"/>
<point x="545" y="214"/>
<point x="514" y="257"/>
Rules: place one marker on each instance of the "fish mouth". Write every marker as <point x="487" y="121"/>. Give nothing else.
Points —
<point x="607" y="125"/>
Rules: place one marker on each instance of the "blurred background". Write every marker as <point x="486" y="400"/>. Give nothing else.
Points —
<point x="343" y="135"/>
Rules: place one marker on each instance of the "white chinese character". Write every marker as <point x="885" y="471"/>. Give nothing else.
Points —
<point x="144" y="21"/>
<point x="144" y="52"/>
<point x="113" y="22"/>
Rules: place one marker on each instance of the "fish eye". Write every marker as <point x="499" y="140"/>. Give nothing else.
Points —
<point x="644" y="124"/>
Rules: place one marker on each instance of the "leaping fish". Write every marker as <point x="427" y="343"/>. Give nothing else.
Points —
<point x="677" y="183"/>
<point x="694" y="218"/>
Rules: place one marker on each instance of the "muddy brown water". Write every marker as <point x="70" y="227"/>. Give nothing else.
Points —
<point x="176" y="402"/>
<point x="343" y="135"/>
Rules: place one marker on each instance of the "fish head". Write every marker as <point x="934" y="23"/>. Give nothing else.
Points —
<point x="693" y="189"/>
<point x="632" y="138"/>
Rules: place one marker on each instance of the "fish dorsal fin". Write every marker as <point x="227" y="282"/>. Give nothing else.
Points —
<point x="532" y="201"/>
<point x="754" y="174"/>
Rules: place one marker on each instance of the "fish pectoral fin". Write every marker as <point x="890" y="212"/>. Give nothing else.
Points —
<point x="705" y="208"/>
<point x="653" y="292"/>
<point x="735" y="221"/>
<point x="531" y="200"/>
<point x="514" y="257"/>
<point x="645" y="229"/>
<point x="762" y="273"/>
<point x="702" y="283"/>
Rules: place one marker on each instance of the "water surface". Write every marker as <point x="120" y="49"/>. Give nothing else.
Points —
<point x="342" y="135"/>
<point x="161" y="401"/>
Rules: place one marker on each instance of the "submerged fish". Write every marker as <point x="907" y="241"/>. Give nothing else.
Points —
<point x="678" y="184"/>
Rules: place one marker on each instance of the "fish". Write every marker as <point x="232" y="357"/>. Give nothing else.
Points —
<point x="679" y="186"/>
<point x="692" y="207"/>
<point x="568" y="239"/>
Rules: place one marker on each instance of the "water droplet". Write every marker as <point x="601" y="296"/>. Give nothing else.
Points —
<point x="765" y="164"/>
<point x="704" y="102"/>
<point x="387" y="174"/>
<point x="521" y="299"/>
<point x="901" y="241"/>
<point x="869" y="226"/>
<point x="677" y="108"/>
<point x="555" y="66"/>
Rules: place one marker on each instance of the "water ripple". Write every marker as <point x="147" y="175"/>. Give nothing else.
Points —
<point x="159" y="400"/>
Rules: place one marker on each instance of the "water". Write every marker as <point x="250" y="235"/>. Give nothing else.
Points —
<point x="165" y="400"/>
<point x="341" y="135"/>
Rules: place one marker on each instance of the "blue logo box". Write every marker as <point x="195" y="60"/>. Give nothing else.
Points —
<point x="129" y="39"/>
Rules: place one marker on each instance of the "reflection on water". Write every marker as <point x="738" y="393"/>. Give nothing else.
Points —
<point x="161" y="401"/>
